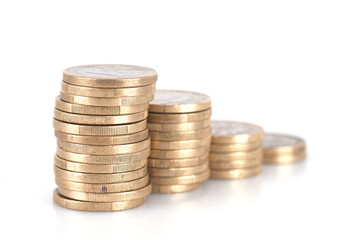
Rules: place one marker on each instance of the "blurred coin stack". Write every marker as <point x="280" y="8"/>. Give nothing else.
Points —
<point x="236" y="150"/>
<point x="283" y="149"/>
<point x="180" y="131"/>
<point x="100" y="121"/>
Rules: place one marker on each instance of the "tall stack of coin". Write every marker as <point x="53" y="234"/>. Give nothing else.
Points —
<point x="235" y="149"/>
<point x="100" y="122"/>
<point x="283" y="149"/>
<point x="180" y="131"/>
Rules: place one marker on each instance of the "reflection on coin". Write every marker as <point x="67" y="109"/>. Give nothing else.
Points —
<point x="174" y="188"/>
<point x="235" y="173"/>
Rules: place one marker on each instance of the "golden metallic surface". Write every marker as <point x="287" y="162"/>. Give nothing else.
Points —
<point x="100" y="178"/>
<point x="95" y="206"/>
<point x="106" y="197"/>
<point x="235" y="132"/>
<point x="103" y="188"/>
<point x="284" y="158"/>
<point x="174" y="145"/>
<point x="109" y="159"/>
<point x="282" y="144"/>
<point x="97" y="110"/>
<point x="235" y="147"/>
<point x="103" y="140"/>
<point x="190" y="179"/>
<point x="175" y="163"/>
<point x="97" y="119"/>
<point x="236" y="173"/>
<point x="110" y="75"/>
<point x="98" y="168"/>
<point x="97" y="101"/>
<point x="182" y="153"/>
<point x="178" y="127"/>
<point x="236" y="155"/>
<point x="175" y="101"/>
<point x="179" y="118"/>
<point x="99" y="130"/>
<point x="108" y="92"/>
<point x="235" y="163"/>
<point x="174" y="188"/>
<point x="177" y="172"/>
<point x="104" y="150"/>
<point x="180" y="136"/>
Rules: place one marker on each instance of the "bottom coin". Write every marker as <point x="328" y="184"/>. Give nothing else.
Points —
<point x="174" y="188"/>
<point x="235" y="173"/>
<point x="95" y="206"/>
<point x="284" y="158"/>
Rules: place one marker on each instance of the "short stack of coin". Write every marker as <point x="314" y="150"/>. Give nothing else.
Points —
<point x="236" y="150"/>
<point x="283" y="149"/>
<point x="100" y="122"/>
<point x="180" y="131"/>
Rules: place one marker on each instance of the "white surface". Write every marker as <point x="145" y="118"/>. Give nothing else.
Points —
<point x="273" y="63"/>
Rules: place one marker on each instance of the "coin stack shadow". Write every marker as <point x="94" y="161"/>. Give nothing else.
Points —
<point x="236" y="150"/>
<point x="100" y="121"/>
<point x="180" y="131"/>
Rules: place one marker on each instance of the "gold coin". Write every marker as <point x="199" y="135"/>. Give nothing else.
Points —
<point x="104" y="150"/>
<point x="178" y="127"/>
<point x="236" y="155"/>
<point x="108" y="92"/>
<point x="103" y="140"/>
<point x="99" y="120"/>
<point x="95" y="206"/>
<point x="103" y="188"/>
<point x="177" y="172"/>
<point x="109" y="159"/>
<point x="179" y="118"/>
<point x="98" y="101"/>
<point x="235" y="132"/>
<point x="236" y="173"/>
<point x="279" y="143"/>
<point x="98" y="168"/>
<point x="182" y="153"/>
<point x="175" y="163"/>
<point x="190" y="179"/>
<point x="180" y="136"/>
<point x="110" y="75"/>
<point x="99" y="130"/>
<point x="174" y="188"/>
<point x="285" y="158"/>
<point x="100" y="178"/>
<point x="174" y="145"/>
<point x="175" y="101"/>
<point x="97" y="110"/>
<point x="106" y="197"/>
<point x="234" y="147"/>
<point x="235" y="163"/>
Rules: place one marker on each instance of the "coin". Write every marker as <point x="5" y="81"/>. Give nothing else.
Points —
<point x="95" y="206"/>
<point x="177" y="172"/>
<point x="179" y="118"/>
<point x="99" y="120"/>
<point x="175" y="101"/>
<point x="103" y="188"/>
<point x="218" y="165"/>
<point x="284" y="158"/>
<point x="100" y="178"/>
<point x="110" y="75"/>
<point x="98" y="159"/>
<point x="174" y="188"/>
<point x="182" y="153"/>
<point x="234" y="147"/>
<point x="108" y="92"/>
<point x="236" y="173"/>
<point x="99" y="130"/>
<point x="179" y="136"/>
<point x="279" y="143"/>
<point x="179" y="127"/>
<point x="103" y="140"/>
<point x="104" y="150"/>
<point x="174" y="145"/>
<point x="106" y="197"/>
<point x="235" y="132"/>
<point x="236" y="155"/>
<point x="174" y="163"/>
<point x="98" y="168"/>
<point x="190" y="179"/>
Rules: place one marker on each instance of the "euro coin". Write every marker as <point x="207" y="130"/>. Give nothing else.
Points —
<point x="180" y="136"/>
<point x="182" y="153"/>
<point x="177" y="172"/>
<point x="218" y="165"/>
<point x="236" y="155"/>
<point x="279" y="143"/>
<point x="179" y="127"/>
<point x="234" y="147"/>
<point x="285" y="158"/>
<point x="236" y="173"/>
<point x="190" y="179"/>
<point x="175" y="163"/>
<point x="174" y="188"/>
<point x="179" y="118"/>
<point x="174" y="145"/>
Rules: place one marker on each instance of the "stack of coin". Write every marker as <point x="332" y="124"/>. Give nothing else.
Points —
<point x="100" y="122"/>
<point x="236" y="150"/>
<point x="180" y="131"/>
<point x="283" y="149"/>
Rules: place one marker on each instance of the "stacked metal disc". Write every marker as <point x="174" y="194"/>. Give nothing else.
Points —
<point x="236" y="150"/>
<point x="283" y="149"/>
<point x="180" y="131"/>
<point x="100" y="122"/>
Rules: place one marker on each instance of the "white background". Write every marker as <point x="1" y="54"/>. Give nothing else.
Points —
<point x="273" y="63"/>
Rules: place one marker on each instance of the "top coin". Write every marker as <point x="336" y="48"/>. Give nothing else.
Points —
<point x="280" y="143"/>
<point x="235" y="132"/>
<point x="175" y="101"/>
<point x="110" y="76"/>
